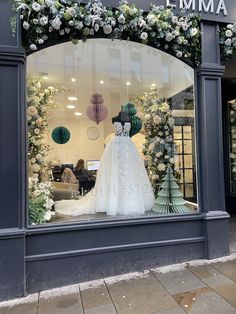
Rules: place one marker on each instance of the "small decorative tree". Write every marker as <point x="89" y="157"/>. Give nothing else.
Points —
<point x="170" y="199"/>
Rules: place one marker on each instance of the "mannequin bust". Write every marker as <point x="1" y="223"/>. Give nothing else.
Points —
<point x="122" y="118"/>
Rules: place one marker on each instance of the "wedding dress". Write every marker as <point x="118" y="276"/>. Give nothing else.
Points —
<point x="122" y="185"/>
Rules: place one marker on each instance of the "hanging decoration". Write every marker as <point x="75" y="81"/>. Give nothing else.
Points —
<point x="97" y="112"/>
<point x="61" y="135"/>
<point x="44" y="20"/>
<point x="170" y="199"/>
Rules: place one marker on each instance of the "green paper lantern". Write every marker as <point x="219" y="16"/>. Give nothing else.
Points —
<point x="61" y="135"/>
<point x="136" y="125"/>
<point x="129" y="108"/>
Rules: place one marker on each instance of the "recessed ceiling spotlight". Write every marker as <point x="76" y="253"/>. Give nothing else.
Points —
<point x="72" y="98"/>
<point x="70" y="106"/>
<point x="153" y="85"/>
<point x="73" y="79"/>
<point x="101" y="82"/>
<point x="128" y="83"/>
<point x="78" y="113"/>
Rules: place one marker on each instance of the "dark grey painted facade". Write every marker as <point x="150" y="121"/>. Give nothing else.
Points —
<point x="33" y="259"/>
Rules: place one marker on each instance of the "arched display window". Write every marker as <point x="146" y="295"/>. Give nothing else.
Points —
<point x="79" y="168"/>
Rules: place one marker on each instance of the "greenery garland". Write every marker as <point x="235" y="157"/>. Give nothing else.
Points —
<point x="40" y="100"/>
<point x="43" y="20"/>
<point x="228" y="41"/>
<point x="159" y="148"/>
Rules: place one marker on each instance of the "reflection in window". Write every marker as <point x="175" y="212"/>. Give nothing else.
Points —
<point x="82" y="90"/>
<point x="232" y="134"/>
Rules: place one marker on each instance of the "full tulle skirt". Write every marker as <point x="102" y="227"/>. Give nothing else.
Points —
<point x="122" y="186"/>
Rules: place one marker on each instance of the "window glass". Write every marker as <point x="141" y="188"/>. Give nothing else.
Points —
<point x="111" y="132"/>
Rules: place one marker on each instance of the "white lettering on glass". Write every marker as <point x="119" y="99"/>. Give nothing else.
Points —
<point x="209" y="7"/>
<point x="221" y="7"/>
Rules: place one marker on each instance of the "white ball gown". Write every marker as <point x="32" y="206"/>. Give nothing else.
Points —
<point x="122" y="186"/>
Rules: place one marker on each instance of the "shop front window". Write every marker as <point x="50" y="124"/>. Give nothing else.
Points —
<point x="111" y="133"/>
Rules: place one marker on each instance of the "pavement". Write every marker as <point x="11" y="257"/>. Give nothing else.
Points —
<point x="196" y="287"/>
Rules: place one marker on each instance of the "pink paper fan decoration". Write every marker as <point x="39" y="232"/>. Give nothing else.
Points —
<point x="97" y="112"/>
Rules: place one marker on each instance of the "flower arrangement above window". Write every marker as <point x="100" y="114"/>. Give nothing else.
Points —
<point x="228" y="41"/>
<point x="43" y="20"/>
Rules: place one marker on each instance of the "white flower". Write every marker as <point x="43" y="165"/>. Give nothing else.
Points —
<point x="33" y="47"/>
<point x="179" y="54"/>
<point x="36" y="168"/>
<point x="165" y="107"/>
<point x="107" y="29"/>
<point x="71" y="11"/>
<point x="193" y="32"/>
<point x="169" y="37"/>
<point x="171" y="121"/>
<point x="43" y="20"/>
<point x="62" y="32"/>
<point x="39" y="156"/>
<point x="56" y="23"/>
<point x="35" y="21"/>
<point x="32" y="111"/>
<point x="161" y="167"/>
<point x="26" y="25"/>
<point x="166" y="157"/>
<point x="162" y="141"/>
<point x="121" y="19"/>
<point x="36" y="131"/>
<point x="33" y="160"/>
<point x="147" y="117"/>
<point x="158" y="154"/>
<point x="144" y="36"/>
<point x="228" y="33"/>
<point x="48" y="215"/>
<point x="228" y="42"/>
<point x="174" y="19"/>
<point x="36" y="7"/>
<point x="156" y="119"/>
<point x="40" y="41"/>
<point x="172" y="161"/>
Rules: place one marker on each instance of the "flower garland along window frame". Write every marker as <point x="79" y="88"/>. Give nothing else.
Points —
<point x="44" y="21"/>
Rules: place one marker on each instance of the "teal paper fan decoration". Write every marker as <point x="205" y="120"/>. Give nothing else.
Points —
<point x="136" y="125"/>
<point x="61" y="135"/>
<point x="129" y="108"/>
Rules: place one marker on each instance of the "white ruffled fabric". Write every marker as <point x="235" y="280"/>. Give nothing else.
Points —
<point x="122" y="187"/>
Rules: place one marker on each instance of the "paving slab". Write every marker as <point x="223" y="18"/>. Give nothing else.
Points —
<point x="25" y="305"/>
<point x="179" y="281"/>
<point x="61" y="301"/>
<point x="141" y="295"/>
<point x="204" y="301"/>
<point x="96" y="298"/>
<point x="226" y="268"/>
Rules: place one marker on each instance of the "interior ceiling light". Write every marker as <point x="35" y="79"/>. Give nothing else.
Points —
<point x="72" y="98"/>
<point x="153" y="85"/>
<point x="73" y="79"/>
<point x="128" y="83"/>
<point x="70" y="106"/>
<point x="101" y="82"/>
<point x="78" y="113"/>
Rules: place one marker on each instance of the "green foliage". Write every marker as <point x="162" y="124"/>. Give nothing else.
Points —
<point x="159" y="148"/>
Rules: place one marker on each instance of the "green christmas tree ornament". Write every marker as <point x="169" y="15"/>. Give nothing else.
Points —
<point x="61" y="135"/>
<point x="129" y="108"/>
<point x="170" y="199"/>
<point x="136" y="125"/>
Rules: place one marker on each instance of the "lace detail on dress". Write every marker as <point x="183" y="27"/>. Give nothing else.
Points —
<point x="122" y="130"/>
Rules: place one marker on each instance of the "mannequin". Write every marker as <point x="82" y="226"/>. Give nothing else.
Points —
<point x="122" y="118"/>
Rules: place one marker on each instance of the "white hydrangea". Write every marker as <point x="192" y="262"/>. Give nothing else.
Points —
<point x="121" y="19"/>
<point x="161" y="167"/>
<point x="193" y="32"/>
<point x="43" y="20"/>
<point x="26" y="25"/>
<point x="107" y="29"/>
<point x="56" y="23"/>
<point x="33" y="47"/>
<point x="144" y="35"/>
<point x="36" y="7"/>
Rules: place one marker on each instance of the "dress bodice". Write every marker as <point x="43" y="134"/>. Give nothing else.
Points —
<point x="122" y="129"/>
